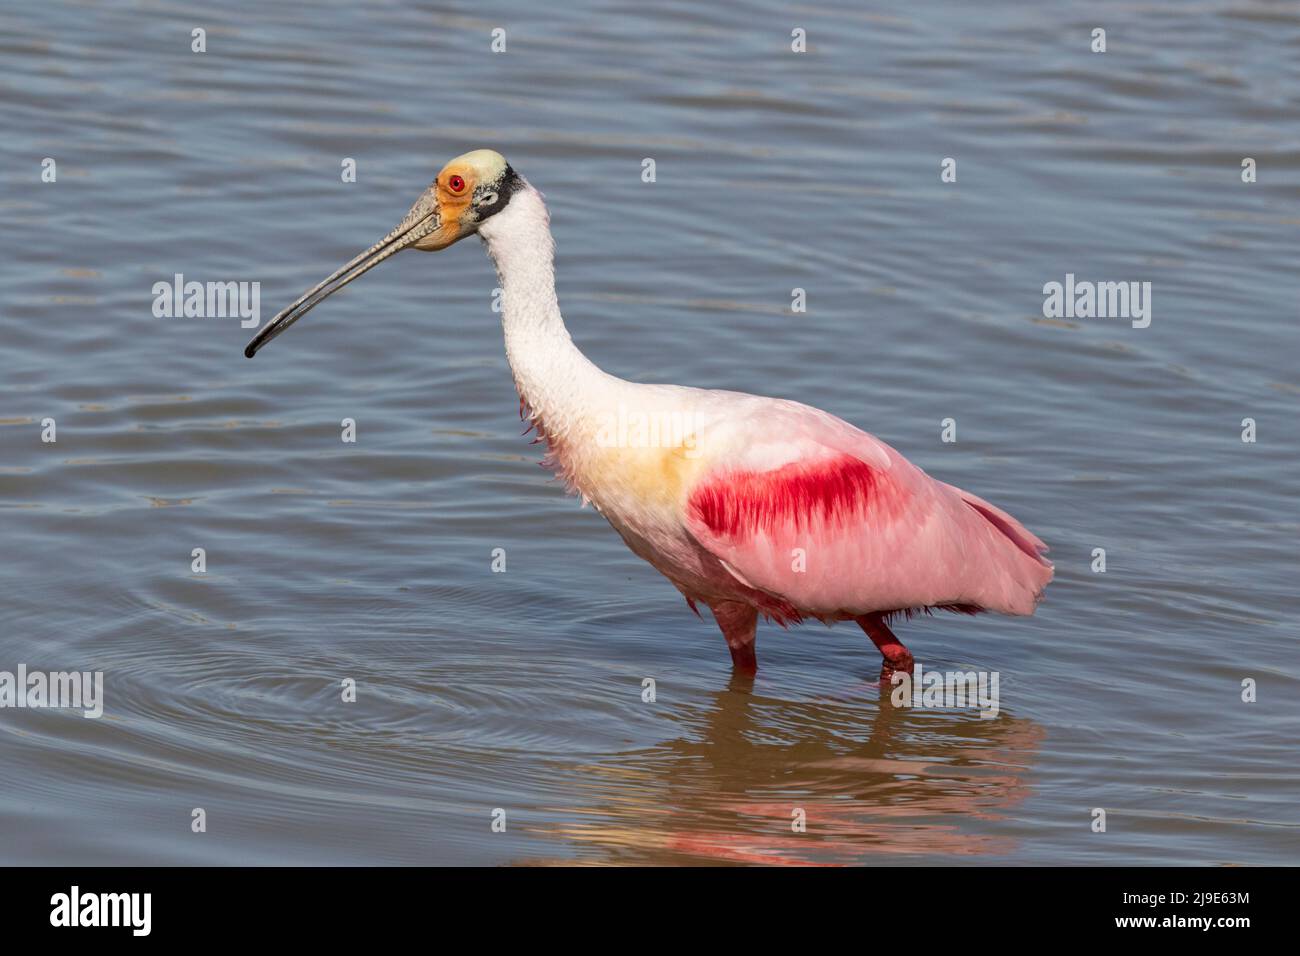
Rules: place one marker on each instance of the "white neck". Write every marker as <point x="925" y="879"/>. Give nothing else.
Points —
<point x="554" y="378"/>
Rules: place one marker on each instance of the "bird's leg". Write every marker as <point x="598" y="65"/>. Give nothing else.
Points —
<point x="739" y="623"/>
<point x="897" y="657"/>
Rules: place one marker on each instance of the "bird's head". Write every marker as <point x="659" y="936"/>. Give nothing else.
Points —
<point x="469" y="190"/>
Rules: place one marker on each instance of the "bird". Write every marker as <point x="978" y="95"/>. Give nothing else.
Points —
<point x="754" y="507"/>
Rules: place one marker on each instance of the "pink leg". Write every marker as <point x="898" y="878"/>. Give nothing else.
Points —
<point x="897" y="657"/>
<point x="739" y="623"/>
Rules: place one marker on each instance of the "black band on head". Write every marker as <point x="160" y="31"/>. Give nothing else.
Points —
<point x="491" y="198"/>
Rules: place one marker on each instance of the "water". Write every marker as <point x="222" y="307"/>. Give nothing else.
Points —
<point x="522" y="690"/>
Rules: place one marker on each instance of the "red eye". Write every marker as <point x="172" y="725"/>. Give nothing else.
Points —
<point x="456" y="184"/>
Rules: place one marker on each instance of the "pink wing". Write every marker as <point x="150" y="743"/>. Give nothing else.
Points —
<point x="809" y="509"/>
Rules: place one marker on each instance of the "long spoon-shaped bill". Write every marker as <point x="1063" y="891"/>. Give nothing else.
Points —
<point x="419" y="222"/>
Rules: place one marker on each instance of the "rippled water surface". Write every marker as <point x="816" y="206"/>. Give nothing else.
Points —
<point x="522" y="690"/>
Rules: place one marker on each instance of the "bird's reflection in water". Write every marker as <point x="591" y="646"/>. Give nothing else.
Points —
<point x="871" y="779"/>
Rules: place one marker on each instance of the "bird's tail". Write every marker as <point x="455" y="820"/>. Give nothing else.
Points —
<point x="1028" y="572"/>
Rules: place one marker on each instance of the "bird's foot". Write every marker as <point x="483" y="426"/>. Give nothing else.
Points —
<point x="897" y="659"/>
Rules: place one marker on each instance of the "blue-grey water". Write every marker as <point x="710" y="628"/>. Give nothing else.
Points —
<point x="521" y="691"/>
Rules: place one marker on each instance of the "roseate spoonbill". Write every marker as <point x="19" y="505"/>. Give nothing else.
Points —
<point x="749" y="505"/>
